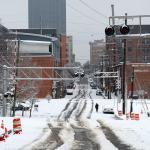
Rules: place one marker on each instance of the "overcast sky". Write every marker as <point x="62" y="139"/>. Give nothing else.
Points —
<point x="86" y="19"/>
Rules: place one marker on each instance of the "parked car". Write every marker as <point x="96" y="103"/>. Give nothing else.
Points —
<point x="69" y="91"/>
<point x="108" y="110"/>
<point x="98" y="92"/>
<point x="134" y="96"/>
<point x="93" y="85"/>
<point x="21" y="106"/>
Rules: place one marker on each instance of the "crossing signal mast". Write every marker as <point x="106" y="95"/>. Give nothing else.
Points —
<point x="124" y="29"/>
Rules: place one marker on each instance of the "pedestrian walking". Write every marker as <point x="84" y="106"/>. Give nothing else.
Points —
<point x="96" y="107"/>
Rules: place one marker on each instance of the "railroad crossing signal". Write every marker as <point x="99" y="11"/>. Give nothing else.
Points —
<point x="123" y="30"/>
<point x="109" y="30"/>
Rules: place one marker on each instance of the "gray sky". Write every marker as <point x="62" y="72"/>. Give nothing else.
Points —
<point x="85" y="24"/>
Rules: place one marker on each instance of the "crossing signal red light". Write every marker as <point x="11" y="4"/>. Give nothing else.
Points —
<point x="124" y="29"/>
<point x="76" y="74"/>
<point x="82" y="75"/>
<point x="95" y="74"/>
<point x="109" y="30"/>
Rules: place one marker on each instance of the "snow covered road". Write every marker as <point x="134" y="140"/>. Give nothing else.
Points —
<point x="75" y="119"/>
<point x="73" y="124"/>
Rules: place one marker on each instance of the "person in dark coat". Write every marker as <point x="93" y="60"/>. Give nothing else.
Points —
<point x="96" y="107"/>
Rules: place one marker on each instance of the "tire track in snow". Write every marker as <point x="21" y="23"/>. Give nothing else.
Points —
<point x="111" y="136"/>
<point x="52" y="142"/>
<point x="70" y="107"/>
<point x="84" y="137"/>
<point x="82" y="140"/>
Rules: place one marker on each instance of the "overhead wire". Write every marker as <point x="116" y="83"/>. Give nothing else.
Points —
<point x="93" y="9"/>
<point x="81" y="23"/>
<point x="83" y="14"/>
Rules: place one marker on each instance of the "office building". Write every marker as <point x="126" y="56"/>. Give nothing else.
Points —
<point x="47" y="14"/>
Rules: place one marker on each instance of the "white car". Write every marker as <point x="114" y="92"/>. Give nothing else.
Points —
<point x="108" y="110"/>
<point x="69" y="91"/>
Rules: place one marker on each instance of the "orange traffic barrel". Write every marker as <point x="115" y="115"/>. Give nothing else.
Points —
<point x="2" y="137"/>
<point x="2" y="134"/>
<point x="17" y="126"/>
<point x="120" y="113"/>
<point x="132" y="116"/>
<point x="136" y="116"/>
<point x="2" y="124"/>
<point x="127" y="116"/>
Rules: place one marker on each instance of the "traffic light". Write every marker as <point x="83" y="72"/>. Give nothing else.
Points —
<point x="95" y="74"/>
<point x="109" y="30"/>
<point x="124" y="29"/>
<point x="82" y="75"/>
<point x="5" y="95"/>
<point x="76" y="74"/>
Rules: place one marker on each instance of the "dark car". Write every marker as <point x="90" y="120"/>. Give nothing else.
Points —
<point x="21" y="107"/>
<point x="93" y="86"/>
<point x="98" y="92"/>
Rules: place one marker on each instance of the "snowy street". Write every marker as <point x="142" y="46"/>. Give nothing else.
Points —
<point x="72" y="123"/>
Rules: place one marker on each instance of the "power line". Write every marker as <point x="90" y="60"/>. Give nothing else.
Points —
<point x="81" y="13"/>
<point x="93" y="9"/>
<point x="81" y="23"/>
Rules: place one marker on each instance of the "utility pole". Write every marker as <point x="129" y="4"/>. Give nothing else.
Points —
<point x="124" y="72"/>
<point x="132" y="90"/>
<point x="16" y="74"/>
<point x="4" y="89"/>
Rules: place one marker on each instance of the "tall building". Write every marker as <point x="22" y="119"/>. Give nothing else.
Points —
<point x="70" y="50"/>
<point x="47" y="14"/>
<point x="97" y="49"/>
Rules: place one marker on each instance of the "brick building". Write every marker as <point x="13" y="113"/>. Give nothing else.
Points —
<point x="97" y="49"/>
<point x="34" y="52"/>
<point x="137" y="51"/>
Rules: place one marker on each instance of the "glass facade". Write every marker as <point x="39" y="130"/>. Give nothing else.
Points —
<point x="47" y="14"/>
